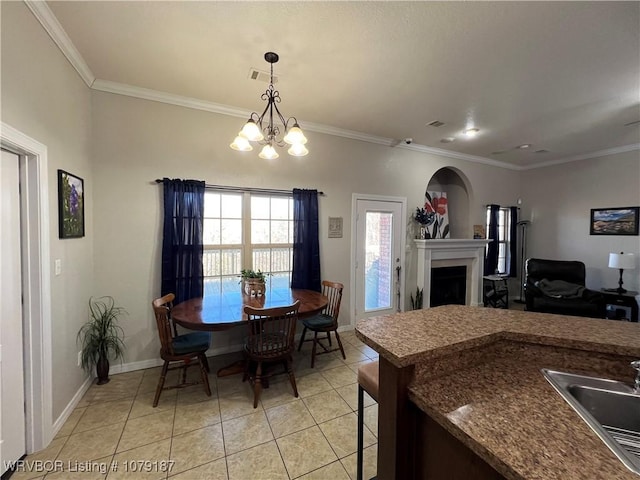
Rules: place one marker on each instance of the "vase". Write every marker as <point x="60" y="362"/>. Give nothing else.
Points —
<point x="253" y="288"/>
<point x="102" y="370"/>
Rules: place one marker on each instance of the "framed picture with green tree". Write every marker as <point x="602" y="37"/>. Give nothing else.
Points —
<point x="70" y="205"/>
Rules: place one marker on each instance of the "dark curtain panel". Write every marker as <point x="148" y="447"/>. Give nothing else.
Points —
<point x="491" y="261"/>
<point x="513" y="242"/>
<point x="182" y="272"/>
<point x="306" y="244"/>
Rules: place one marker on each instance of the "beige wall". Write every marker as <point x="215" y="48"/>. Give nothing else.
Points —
<point x="558" y="201"/>
<point x="43" y="97"/>
<point x="136" y="141"/>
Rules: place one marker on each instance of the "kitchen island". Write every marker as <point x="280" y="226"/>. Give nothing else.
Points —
<point x="462" y="396"/>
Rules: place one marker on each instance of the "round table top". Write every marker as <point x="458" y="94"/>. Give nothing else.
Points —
<point x="226" y="310"/>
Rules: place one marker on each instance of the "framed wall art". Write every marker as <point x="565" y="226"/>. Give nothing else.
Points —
<point x="614" y="221"/>
<point x="70" y="205"/>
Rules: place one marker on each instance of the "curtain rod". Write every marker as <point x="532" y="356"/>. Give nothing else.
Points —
<point x="228" y="188"/>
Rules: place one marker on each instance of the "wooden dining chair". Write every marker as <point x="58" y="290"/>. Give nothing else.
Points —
<point x="179" y="351"/>
<point x="271" y="340"/>
<point x="325" y="322"/>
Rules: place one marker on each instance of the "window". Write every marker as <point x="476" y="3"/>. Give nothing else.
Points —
<point x="247" y="231"/>
<point x="504" y="220"/>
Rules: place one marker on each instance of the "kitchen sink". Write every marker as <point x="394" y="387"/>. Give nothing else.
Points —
<point x="610" y="408"/>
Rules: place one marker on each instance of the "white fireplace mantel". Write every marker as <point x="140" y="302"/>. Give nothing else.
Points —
<point x="451" y="252"/>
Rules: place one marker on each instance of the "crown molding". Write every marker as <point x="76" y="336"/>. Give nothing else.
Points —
<point x="197" y="104"/>
<point x="50" y="23"/>
<point x="600" y="153"/>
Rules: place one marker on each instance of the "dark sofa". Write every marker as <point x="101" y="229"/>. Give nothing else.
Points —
<point x="541" y="273"/>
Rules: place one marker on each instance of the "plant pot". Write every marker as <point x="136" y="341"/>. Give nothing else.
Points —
<point x="253" y="288"/>
<point x="102" y="370"/>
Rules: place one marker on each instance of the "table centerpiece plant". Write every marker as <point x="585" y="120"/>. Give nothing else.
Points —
<point x="253" y="282"/>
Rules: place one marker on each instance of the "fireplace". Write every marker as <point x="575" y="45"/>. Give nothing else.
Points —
<point x="448" y="286"/>
<point x="465" y="253"/>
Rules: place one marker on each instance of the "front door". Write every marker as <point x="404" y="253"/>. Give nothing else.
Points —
<point x="12" y="414"/>
<point x="379" y="255"/>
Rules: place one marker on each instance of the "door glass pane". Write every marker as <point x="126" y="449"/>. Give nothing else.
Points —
<point x="378" y="260"/>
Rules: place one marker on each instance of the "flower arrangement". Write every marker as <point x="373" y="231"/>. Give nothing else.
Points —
<point x="423" y="217"/>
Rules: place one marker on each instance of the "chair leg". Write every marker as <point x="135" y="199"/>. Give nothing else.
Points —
<point x="313" y="350"/>
<point x="257" y="385"/>
<point x="360" y="447"/>
<point x="163" y="375"/>
<point x="304" y="332"/>
<point x="340" y="345"/>
<point x="329" y="338"/>
<point x="206" y="363"/>
<point x="203" y="371"/>
<point x="292" y="377"/>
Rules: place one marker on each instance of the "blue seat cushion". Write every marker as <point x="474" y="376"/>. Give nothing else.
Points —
<point x="191" y="342"/>
<point x="318" y="321"/>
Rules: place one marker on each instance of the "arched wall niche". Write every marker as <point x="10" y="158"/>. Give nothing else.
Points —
<point x="459" y="195"/>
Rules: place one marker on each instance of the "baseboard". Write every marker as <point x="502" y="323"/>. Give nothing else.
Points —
<point x="57" y="425"/>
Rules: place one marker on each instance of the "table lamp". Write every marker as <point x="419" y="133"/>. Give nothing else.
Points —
<point x="621" y="261"/>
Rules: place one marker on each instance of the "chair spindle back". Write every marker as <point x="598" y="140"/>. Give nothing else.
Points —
<point x="162" y="308"/>
<point x="333" y="291"/>
<point x="272" y="330"/>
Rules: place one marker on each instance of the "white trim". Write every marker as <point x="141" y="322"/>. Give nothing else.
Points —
<point x="66" y="413"/>
<point x="403" y="247"/>
<point x="586" y="156"/>
<point x="36" y="284"/>
<point x="51" y="25"/>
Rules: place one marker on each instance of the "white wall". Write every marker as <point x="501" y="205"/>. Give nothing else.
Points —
<point x="136" y="141"/>
<point x="558" y="201"/>
<point x="43" y="97"/>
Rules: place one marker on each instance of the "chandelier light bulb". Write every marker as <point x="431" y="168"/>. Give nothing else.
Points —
<point x="297" y="150"/>
<point x="268" y="153"/>
<point x="251" y="131"/>
<point x="295" y="135"/>
<point x="241" y="144"/>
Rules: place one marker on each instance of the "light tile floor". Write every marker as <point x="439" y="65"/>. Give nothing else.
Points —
<point x="115" y="433"/>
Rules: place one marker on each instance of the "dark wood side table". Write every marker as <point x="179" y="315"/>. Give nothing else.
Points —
<point x="621" y="306"/>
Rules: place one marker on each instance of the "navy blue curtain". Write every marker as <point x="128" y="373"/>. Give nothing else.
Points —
<point x="182" y="272"/>
<point x="306" y="243"/>
<point x="491" y="260"/>
<point x="513" y="242"/>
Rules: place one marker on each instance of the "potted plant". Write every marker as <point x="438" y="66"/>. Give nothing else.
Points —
<point x="101" y="337"/>
<point x="253" y="282"/>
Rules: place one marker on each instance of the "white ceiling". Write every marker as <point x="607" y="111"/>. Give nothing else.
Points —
<point x="562" y="76"/>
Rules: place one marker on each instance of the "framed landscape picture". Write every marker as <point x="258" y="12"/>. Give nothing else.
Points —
<point x="70" y="205"/>
<point x="614" y="221"/>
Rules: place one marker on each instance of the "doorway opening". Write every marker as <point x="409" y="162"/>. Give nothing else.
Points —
<point x="36" y="284"/>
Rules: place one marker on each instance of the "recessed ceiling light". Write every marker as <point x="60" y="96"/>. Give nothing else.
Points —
<point x="447" y="140"/>
<point x="470" y="132"/>
<point x="524" y="146"/>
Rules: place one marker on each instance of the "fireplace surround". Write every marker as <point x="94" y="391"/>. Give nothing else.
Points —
<point x="452" y="253"/>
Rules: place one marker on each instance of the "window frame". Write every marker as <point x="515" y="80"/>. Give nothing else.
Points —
<point x="504" y="231"/>
<point x="247" y="247"/>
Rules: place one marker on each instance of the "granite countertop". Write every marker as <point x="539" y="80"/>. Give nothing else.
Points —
<point x="477" y="373"/>
<point x="412" y="337"/>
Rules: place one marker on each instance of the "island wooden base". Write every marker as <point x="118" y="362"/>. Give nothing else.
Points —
<point x="441" y="456"/>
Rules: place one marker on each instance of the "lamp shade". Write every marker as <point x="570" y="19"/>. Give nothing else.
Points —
<point x="625" y="261"/>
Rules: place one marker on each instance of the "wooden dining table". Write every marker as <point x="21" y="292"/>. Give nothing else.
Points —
<point x="218" y="311"/>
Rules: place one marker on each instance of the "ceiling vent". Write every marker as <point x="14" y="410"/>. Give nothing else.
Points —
<point x="632" y="123"/>
<point x="435" y="123"/>
<point x="541" y="151"/>
<point x="261" y="76"/>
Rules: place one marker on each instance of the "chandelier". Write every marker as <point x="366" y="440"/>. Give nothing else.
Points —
<point x="261" y="128"/>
